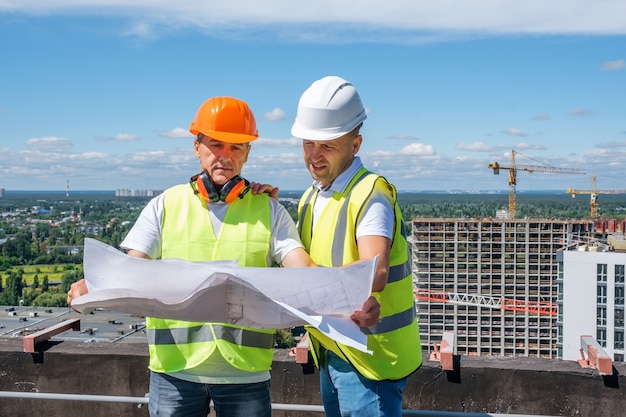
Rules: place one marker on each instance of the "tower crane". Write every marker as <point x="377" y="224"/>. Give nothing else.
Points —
<point x="594" y="195"/>
<point x="513" y="168"/>
<point x="502" y="303"/>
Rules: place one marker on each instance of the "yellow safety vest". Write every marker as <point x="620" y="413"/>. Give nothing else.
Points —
<point x="187" y="233"/>
<point x="395" y="339"/>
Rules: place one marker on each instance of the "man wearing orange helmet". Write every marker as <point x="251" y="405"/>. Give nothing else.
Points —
<point x="213" y="217"/>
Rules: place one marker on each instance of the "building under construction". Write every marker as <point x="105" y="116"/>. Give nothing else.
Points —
<point x="493" y="282"/>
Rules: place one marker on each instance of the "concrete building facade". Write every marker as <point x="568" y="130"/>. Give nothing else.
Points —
<point x="493" y="282"/>
<point x="591" y="302"/>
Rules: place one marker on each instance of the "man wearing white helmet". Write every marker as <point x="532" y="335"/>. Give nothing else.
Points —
<point x="361" y="209"/>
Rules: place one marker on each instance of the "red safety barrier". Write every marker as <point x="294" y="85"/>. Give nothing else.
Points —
<point x="444" y="353"/>
<point x="596" y="356"/>
<point x="32" y="339"/>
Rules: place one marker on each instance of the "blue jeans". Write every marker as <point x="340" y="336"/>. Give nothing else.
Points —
<point x="346" y="393"/>
<point x="174" y="397"/>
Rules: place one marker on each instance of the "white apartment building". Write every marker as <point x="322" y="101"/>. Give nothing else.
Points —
<point x="493" y="282"/>
<point x="591" y="287"/>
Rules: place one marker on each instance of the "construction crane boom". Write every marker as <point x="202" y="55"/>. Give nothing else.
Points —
<point x="593" y="203"/>
<point x="502" y="303"/>
<point x="514" y="167"/>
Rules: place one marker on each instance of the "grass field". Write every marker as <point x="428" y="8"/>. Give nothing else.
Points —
<point x="54" y="272"/>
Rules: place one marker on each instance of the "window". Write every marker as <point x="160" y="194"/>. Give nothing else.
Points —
<point x="619" y="274"/>
<point x="601" y="333"/>
<point x="601" y="274"/>
<point x="619" y="318"/>
<point x="601" y="316"/>
<point x="619" y="295"/>
<point x="601" y="294"/>
<point x="619" y="340"/>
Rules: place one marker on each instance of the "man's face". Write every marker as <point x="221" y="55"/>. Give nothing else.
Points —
<point x="326" y="159"/>
<point x="221" y="160"/>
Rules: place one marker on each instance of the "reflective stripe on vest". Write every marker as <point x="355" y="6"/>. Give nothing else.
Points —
<point x="394" y="340"/>
<point x="187" y="233"/>
<point x="393" y="322"/>
<point x="204" y="333"/>
<point x="396" y="272"/>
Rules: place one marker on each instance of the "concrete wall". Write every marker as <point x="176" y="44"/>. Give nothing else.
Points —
<point x="481" y="385"/>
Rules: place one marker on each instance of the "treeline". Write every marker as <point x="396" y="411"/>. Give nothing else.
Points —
<point x="50" y="235"/>
<point x="539" y="205"/>
<point x="16" y="291"/>
<point x="63" y="224"/>
<point x="37" y="239"/>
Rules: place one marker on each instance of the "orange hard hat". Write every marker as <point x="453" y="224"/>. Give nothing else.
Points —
<point x="226" y="119"/>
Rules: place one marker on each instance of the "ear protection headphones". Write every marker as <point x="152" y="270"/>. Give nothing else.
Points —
<point x="203" y="186"/>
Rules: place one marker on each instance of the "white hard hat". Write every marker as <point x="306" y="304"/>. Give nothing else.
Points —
<point x="328" y="109"/>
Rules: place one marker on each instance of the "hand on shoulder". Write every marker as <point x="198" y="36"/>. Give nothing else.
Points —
<point x="257" y="188"/>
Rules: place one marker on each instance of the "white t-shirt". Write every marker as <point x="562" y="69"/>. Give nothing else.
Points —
<point x="145" y="236"/>
<point x="378" y="217"/>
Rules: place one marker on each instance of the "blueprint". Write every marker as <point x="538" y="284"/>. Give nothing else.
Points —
<point x="222" y="291"/>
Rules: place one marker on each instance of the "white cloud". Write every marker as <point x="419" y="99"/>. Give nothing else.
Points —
<point x="278" y="143"/>
<point x="275" y="115"/>
<point x="606" y="157"/>
<point x="49" y="142"/>
<point x="514" y="132"/>
<point x="418" y="149"/>
<point x="176" y="133"/>
<point x="414" y="20"/>
<point x="474" y="147"/>
<point x="120" y="137"/>
<point x="380" y="153"/>
<point x="524" y="146"/>
<point x="461" y="158"/>
<point x="581" y="112"/>
<point x="414" y="167"/>
<point x="613" y="144"/>
<point x="92" y="155"/>
<point x="540" y="117"/>
<point x="483" y="147"/>
<point x="614" y="65"/>
<point x="141" y="30"/>
<point x="125" y="137"/>
<point x="146" y="156"/>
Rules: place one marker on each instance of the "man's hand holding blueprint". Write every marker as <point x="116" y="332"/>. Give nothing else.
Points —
<point x="222" y="291"/>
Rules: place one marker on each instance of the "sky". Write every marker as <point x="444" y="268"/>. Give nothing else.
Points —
<point x="99" y="94"/>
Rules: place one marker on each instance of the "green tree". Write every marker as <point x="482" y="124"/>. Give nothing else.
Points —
<point x="48" y="299"/>
<point x="14" y="287"/>
<point x="29" y="295"/>
<point x="68" y="279"/>
<point x="42" y="231"/>
<point x="19" y="247"/>
<point x="284" y="339"/>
